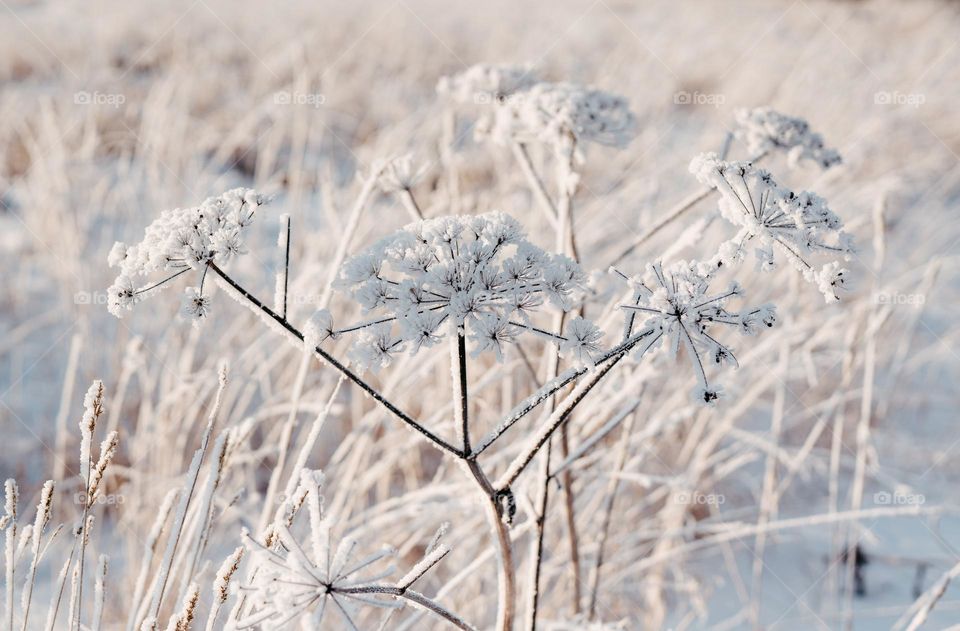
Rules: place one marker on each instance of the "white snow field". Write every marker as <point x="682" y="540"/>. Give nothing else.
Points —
<point x="650" y="385"/>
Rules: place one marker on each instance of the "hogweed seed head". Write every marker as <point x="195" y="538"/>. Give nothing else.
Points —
<point x="558" y="114"/>
<point x="400" y="174"/>
<point x="774" y="218"/>
<point x="181" y="240"/>
<point x="682" y="311"/>
<point x="434" y="276"/>
<point x="486" y="83"/>
<point x="764" y="129"/>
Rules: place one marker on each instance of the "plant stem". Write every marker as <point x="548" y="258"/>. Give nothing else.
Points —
<point x="536" y="546"/>
<point x="545" y="392"/>
<point x="459" y="362"/>
<point x="410" y="203"/>
<point x="536" y="184"/>
<point x="671" y="216"/>
<point x="414" y="597"/>
<point x="507" y="579"/>
<point x="613" y="486"/>
<point x="283" y="326"/>
<point x="550" y="426"/>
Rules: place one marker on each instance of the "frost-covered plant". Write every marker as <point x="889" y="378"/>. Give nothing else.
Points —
<point x="773" y="217"/>
<point x="400" y="174"/>
<point x="479" y="274"/>
<point x="561" y="114"/>
<point x="478" y="280"/>
<point x="180" y="241"/>
<point x="486" y="83"/>
<point x="680" y="307"/>
<point x="764" y="129"/>
<point x="293" y="581"/>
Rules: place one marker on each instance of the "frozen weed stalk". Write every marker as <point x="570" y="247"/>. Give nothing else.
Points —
<point x="480" y="285"/>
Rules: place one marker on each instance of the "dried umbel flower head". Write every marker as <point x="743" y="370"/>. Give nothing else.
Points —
<point x="486" y="83"/>
<point x="437" y="275"/>
<point x="292" y="580"/>
<point x="563" y="114"/>
<point x="400" y="174"/>
<point x="179" y="241"/>
<point x="774" y="218"/>
<point x="682" y="310"/>
<point x="764" y="129"/>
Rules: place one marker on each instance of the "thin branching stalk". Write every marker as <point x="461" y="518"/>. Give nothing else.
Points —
<point x="506" y="573"/>
<point x="57" y="598"/>
<point x="412" y="596"/>
<point x="186" y="496"/>
<point x="39" y="524"/>
<point x="294" y="335"/>
<point x="613" y="485"/>
<point x="506" y="609"/>
<point x="672" y="215"/>
<point x="546" y="391"/>
<point x="536" y="184"/>
<point x="546" y="430"/>
<point x="410" y="204"/>
<point x="536" y="544"/>
<point x="566" y="407"/>
<point x="100" y="591"/>
<point x="461" y="398"/>
<point x="11" y="493"/>
<point x="283" y="448"/>
<point x="149" y="552"/>
<point x="283" y="282"/>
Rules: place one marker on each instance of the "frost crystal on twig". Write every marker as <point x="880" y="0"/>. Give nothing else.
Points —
<point x="682" y="310"/>
<point x="776" y="218"/>
<point x="477" y="272"/>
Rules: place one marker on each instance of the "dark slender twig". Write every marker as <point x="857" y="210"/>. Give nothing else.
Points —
<point x="289" y="329"/>
<point x="464" y="401"/>
<point x="286" y="270"/>
<point x="548" y="390"/>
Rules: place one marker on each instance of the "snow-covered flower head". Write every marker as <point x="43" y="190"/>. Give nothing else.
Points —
<point x="196" y="306"/>
<point x="181" y="240"/>
<point x="558" y="113"/>
<point x="681" y="309"/>
<point x="477" y="272"/>
<point x="774" y="218"/>
<point x="486" y="83"/>
<point x="582" y="343"/>
<point x="299" y="583"/>
<point x="291" y="580"/>
<point x="764" y="129"/>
